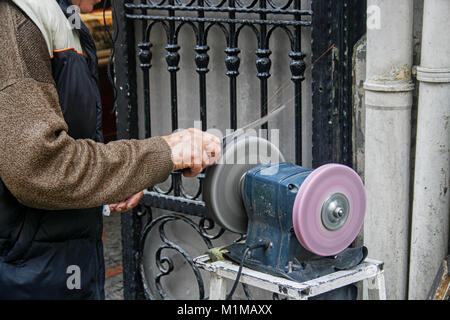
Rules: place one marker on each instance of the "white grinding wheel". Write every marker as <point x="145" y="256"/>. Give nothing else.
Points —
<point x="222" y="183"/>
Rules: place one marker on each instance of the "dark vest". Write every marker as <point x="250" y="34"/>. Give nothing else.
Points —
<point x="42" y="253"/>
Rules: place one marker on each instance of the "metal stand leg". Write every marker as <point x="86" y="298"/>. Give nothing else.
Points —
<point x="217" y="287"/>
<point x="376" y="287"/>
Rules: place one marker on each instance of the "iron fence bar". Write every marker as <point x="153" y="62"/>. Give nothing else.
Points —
<point x="126" y="106"/>
<point x="145" y="59"/>
<point x="298" y="68"/>
<point x="173" y="203"/>
<point x="263" y="63"/>
<point x="232" y="62"/>
<point x="173" y="59"/>
<point x="201" y="8"/>
<point x="332" y="77"/>
<point x="344" y="107"/>
<point x="219" y="20"/>
<point x="202" y="60"/>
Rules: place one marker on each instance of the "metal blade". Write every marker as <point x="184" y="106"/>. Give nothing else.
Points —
<point x="254" y="124"/>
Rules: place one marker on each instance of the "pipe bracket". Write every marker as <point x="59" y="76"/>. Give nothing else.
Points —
<point x="436" y="75"/>
<point x="388" y="86"/>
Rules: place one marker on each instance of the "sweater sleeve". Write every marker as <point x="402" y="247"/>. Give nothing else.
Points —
<point x="40" y="163"/>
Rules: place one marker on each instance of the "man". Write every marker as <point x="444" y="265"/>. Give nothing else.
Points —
<point x="56" y="174"/>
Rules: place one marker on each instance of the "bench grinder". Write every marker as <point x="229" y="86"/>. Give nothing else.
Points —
<point x="299" y="214"/>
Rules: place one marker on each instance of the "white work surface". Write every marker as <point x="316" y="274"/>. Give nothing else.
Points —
<point x="369" y="270"/>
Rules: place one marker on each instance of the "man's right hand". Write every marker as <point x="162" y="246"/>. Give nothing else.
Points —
<point x="193" y="149"/>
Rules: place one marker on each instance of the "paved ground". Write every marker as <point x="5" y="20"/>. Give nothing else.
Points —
<point x="113" y="257"/>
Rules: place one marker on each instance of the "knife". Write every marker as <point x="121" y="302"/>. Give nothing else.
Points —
<point x="251" y="125"/>
<point x="242" y="130"/>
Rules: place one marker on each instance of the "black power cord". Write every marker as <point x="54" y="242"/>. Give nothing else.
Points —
<point x="248" y="248"/>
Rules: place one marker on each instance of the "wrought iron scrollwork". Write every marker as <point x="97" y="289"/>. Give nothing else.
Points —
<point x="164" y="264"/>
<point x="204" y="229"/>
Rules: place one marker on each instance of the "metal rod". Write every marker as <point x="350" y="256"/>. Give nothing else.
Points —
<point x="219" y="20"/>
<point x="218" y="9"/>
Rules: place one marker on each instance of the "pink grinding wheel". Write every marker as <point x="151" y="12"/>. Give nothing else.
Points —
<point x="326" y="181"/>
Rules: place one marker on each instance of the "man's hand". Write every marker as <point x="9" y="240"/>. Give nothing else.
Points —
<point x="193" y="149"/>
<point x="127" y="204"/>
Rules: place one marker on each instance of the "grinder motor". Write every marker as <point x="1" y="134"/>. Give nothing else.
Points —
<point x="298" y="214"/>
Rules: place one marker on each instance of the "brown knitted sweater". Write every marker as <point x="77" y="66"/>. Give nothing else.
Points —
<point x="40" y="163"/>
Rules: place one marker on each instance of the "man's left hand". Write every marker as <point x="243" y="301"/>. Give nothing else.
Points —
<point x="127" y="204"/>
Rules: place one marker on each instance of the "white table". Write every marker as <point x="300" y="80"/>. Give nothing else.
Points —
<point x="369" y="270"/>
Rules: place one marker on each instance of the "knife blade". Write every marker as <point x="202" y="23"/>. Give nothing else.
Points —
<point x="253" y="124"/>
<point x="242" y="130"/>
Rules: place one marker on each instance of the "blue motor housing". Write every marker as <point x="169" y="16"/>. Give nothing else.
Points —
<point x="268" y="193"/>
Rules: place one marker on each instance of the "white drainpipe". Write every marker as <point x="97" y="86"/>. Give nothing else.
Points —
<point x="388" y="99"/>
<point x="430" y="220"/>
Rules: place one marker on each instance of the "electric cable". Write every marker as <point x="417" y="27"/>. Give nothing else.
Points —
<point x="238" y="276"/>
<point x="261" y="244"/>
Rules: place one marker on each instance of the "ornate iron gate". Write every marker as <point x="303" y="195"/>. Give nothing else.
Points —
<point x="333" y="26"/>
